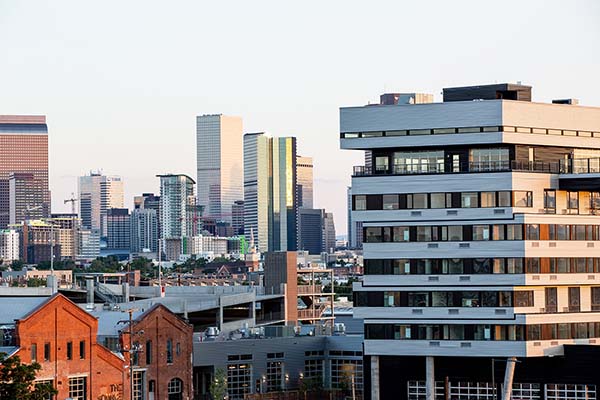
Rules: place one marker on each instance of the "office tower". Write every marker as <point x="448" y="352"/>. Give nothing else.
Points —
<point x="88" y="244"/>
<point x="117" y="229"/>
<point x="304" y="173"/>
<point x="237" y="217"/>
<point x="220" y="164"/>
<point x="23" y="149"/>
<point x="481" y="237"/>
<point x="270" y="192"/>
<point x="67" y="227"/>
<point x="36" y="239"/>
<point x="144" y="230"/>
<point x="26" y="197"/>
<point x="328" y="232"/>
<point x="9" y="245"/>
<point x="97" y="194"/>
<point x="146" y="201"/>
<point x="310" y="230"/>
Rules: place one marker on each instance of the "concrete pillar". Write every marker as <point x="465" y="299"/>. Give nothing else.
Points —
<point x="511" y="362"/>
<point x="125" y="287"/>
<point x="52" y="283"/>
<point x="374" y="377"/>
<point x="429" y="378"/>
<point x="89" y="287"/>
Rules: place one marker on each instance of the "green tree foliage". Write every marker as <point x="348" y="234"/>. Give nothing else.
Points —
<point x="17" y="380"/>
<point x="218" y="386"/>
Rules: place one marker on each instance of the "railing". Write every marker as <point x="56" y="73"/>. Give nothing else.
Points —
<point x="450" y="168"/>
<point x="106" y="294"/>
<point x="312" y="313"/>
<point x="309" y="289"/>
<point x="580" y="166"/>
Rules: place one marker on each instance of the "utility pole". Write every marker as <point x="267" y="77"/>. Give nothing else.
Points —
<point x="131" y="351"/>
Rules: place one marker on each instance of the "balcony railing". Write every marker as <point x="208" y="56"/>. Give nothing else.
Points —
<point x="580" y="166"/>
<point x="442" y="168"/>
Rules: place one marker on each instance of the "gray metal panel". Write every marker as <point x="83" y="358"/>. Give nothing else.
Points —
<point x="14" y="308"/>
<point x="421" y="116"/>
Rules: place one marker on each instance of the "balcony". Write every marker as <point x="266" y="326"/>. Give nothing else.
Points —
<point x="580" y="174"/>
<point x="459" y="168"/>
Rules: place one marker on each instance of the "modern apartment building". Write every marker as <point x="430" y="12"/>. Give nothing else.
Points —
<point x="24" y="150"/>
<point x="97" y="194"/>
<point x="220" y="164"/>
<point x="144" y="230"/>
<point x="118" y="229"/>
<point x="270" y="192"/>
<point x="9" y="245"/>
<point x="481" y="241"/>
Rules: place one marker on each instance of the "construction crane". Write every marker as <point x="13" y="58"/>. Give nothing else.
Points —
<point x="72" y="200"/>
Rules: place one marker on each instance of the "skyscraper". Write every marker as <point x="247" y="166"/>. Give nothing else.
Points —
<point x="97" y="194"/>
<point x="117" y="229"/>
<point x="310" y="230"/>
<point x="270" y="192"/>
<point x="304" y="172"/>
<point x="23" y="149"/>
<point x="219" y="163"/>
<point x="26" y="194"/>
<point x="328" y="232"/>
<point x="480" y="245"/>
<point x="144" y="230"/>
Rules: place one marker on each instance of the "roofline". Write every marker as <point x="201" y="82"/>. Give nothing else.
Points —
<point x="171" y="175"/>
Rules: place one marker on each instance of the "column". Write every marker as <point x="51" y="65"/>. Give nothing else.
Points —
<point x="429" y="378"/>
<point x="511" y="362"/>
<point x="374" y="377"/>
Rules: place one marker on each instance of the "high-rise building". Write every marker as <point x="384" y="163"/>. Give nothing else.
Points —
<point x="26" y="197"/>
<point x="237" y="217"/>
<point x="146" y="201"/>
<point x="117" y="229"/>
<point x="97" y="194"/>
<point x="9" y="246"/>
<point x="67" y="226"/>
<point x="219" y="163"/>
<point x="179" y="216"/>
<point x="480" y="245"/>
<point x="310" y="230"/>
<point x="270" y="191"/>
<point x="304" y="173"/>
<point x="328" y="232"/>
<point x="88" y="244"/>
<point x="39" y="241"/>
<point x="23" y="149"/>
<point x="144" y="230"/>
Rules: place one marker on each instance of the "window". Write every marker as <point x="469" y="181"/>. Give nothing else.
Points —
<point x="360" y="202"/>
<point x="533" y="232"/>
<point x="69" y="350"/>
<point x="148" y="352"/>
<point x="570" y="392"/>
<point x="438" y="200"/>
<point x="488" y="199"/>
<point x="523" y="199"/>
<point x="523" y="298"/>
<point x="455" y="233"/>
<point x="514" y="232"/>
<point x="574" y="299"/>
<point x="239" y="380"/>
<point x="573" y="201"/>
<point x="342" y="371"/>
<point x="33" y="352"/>
<point x="481" y="232"/>
<point x="382" y="164"/>
<point x="390" y="201"/>
<point x="274" y="376"/>
<point x="175" y="386"/>
<point x="423" y="234"/>
<point x="138" y="385"/>
<point x="419" y="200"/>
<point x="82" y="349"/>
<point x="47" y="352"/>
<point x="313" y="370"/>
<point x="373" y="235"/>
<point x="178" y="349"/>
<point x="169" y="351"/>
<point x="504" y="199"/>
<point x="550" y="201"/>
<point x="78" y="388"/>
<point x="400" y="234"/>
<point x="489" y="159"/>
<point x="49" y="383"/>
<point x="418" y="162"/>
<point x="469" y="200"/>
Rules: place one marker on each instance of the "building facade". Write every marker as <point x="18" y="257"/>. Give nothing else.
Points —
<point x="118" y="228"/>
<point x="219" y="164"/>
<point x="304" y="171"/>
<point x="144" y="230"/>
<point x="88" y="244"/>
<point x="23" y="150"/>
<point x="328" y="232"/>
<point x="97" y="194"/>
<point x="9" y="245"/>
<point x="310" y="231"/>
<point x="237" y="217"/>
<point x="270" y="192"/>
<point x="480" y="231"/>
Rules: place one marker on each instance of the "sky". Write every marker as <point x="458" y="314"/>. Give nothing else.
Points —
<point x="122" y="81"/>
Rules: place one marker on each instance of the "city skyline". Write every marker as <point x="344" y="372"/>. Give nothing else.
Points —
<point x="118" y="97"/>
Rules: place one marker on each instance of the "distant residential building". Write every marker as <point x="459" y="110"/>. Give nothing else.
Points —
<point x="36" y="239"/>
<point x="88" y="244"/>
<point x="97" y="194"/>
<point x="146" y="201"/>
<point x="9" y="245"/>
<point x="219" y="164"/>
<point x="118" y="228"/>
<point x="237" y="217"/>
<point x="24" y="149"/>
<point x="328" y="233"/>
<point x="67" y="226"/>
<point x="207" y="244"/>
<point x="143" y="230"/>
<point x="304" y="172"/>
<point x="270" y="192"/>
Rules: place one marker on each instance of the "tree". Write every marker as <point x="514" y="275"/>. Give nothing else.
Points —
<point x="218" y="386"/>
<point x="17" y="380"/>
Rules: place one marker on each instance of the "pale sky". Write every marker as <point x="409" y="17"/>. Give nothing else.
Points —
<point x="122" y="81"/>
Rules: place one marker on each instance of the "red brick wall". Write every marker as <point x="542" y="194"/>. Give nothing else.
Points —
<point x="57" y="322"/>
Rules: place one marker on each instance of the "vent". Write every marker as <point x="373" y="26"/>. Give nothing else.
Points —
<point x="464" y="245"/>
<point x="432" y="245"/>
<point x="553" y="277"/>
<point x="434" y="344"/>
<point x="535" y="244"/>
<point x="499" y="311"/>
<point x="535" y="278"/>
<point x="465" y="344"/>
<point x="416" y="213"/>
<point x="417" y="311"/>
<point x="591" y="277"/>
<point x="499" y="211"/>
<point x="592" y="340"/>
<point x="590" y="244"/>
<point x="464" y="278"/>
<point x="537" y="344"/>
<point x="433" y="278"/>
<point x="554" y="343"/>
<point x="452" y="212"/>
<point x="453" y="311"/>
<point x="552" y="244"/>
